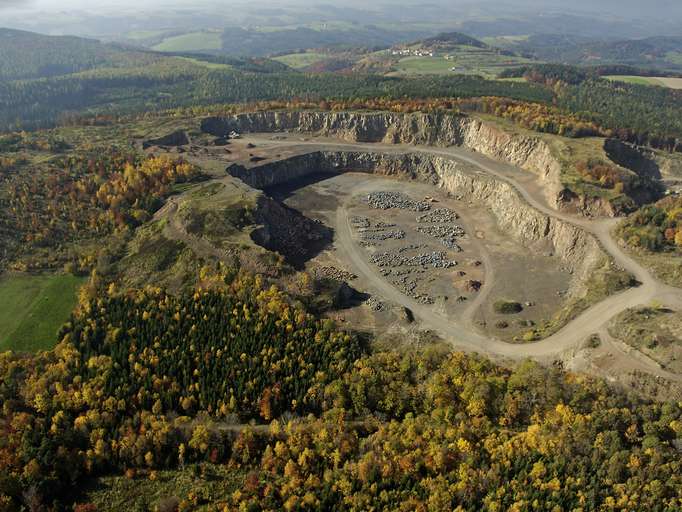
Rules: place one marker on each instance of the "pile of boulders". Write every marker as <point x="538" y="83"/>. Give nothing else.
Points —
<point x="438" y="216"/>
<point x="409" y="286"/>
<point x="368" y="236"/>
<point x="398" y="200"/>
<point x="472" y="286"/>
<point x="377" y="233"/>
<point x="434" y="259"/>
<point x="360" y="222"/>
<point x="375" y="304"/>
<point x="334" y="273"/>
<point x="447" y="235"/>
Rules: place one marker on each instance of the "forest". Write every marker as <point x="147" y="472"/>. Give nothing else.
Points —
<point x="656" y="227"/>
<point x="80" y="197"/>
<point x="171" y="84"/>
<point x="634" y="113"/>
<point x="143" y="381"/>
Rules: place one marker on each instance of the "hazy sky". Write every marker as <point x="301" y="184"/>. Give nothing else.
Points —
<point x="656" y="7"/>
<point x="90" y="17"/>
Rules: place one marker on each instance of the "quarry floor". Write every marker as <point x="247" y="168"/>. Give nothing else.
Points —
<point x="506" y="269"/>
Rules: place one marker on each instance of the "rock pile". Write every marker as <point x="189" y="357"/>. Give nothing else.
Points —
<point x="334" y="273"/>
<point x="377" y="233"/>
<point x="368" y="236"/>
<point x="472" y="286"/>
<point x="447" y="235"/>
<point x="360" y="222"/>
<point x="438" y="216"/>
<point x="398" y="200"/>
<point x="375" y="304"/>
<point x="409" y="286"/>
<point x="434" y="259"/>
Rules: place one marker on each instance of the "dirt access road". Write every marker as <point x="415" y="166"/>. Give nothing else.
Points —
<point x="460" y="333"/>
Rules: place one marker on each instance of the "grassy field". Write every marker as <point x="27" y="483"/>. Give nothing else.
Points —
<point x="640" y="80"/>
<point x="672" y="83"/>
<point x="424" y="66"/>
<point x="465" y="59"/>
<point x="32" y="308"/>
<point x="193" y="41"/>
<point x="209" y="65"/>
<point x="674" y="57"/>
<point x="300" y="60"/>
<point x="140" y="35"/>
<point x="192" y="486"/>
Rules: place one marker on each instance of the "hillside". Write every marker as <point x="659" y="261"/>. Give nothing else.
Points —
<point x="448" y="39"/>
<point x="30" y="55"/>
<point x="452" y="52"/>
<point x="248" y="42"/>
<point x="653" y="52"/>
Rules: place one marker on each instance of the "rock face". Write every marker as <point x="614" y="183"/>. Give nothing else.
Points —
<point x="541" y="233"/>
<point x="522" y="150"/>
<point x="438" y="129"/>
<point x="286" y="231"/>
<point x="177" y="138"/>
<point x="632" y="157"/>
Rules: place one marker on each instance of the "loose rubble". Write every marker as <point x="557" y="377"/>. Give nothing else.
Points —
<point x="334" y="273"/>
<point x="435" y="259"/>
<point x="383" y="235"/>
<point x="406" y="266"/>
<point x="438" y="216"/>
<point x="447" y="235"/>
<point x="375" y="304"/>
<point x="388" y="200"/>
<point x="360" y="222"/>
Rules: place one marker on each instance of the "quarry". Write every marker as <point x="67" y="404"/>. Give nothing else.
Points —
<point x="425" y="226"/>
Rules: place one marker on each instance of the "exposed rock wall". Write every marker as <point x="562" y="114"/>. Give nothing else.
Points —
<point x="437" y="129"/>
<point x="541" y="233"/>
<point x="523" y="150"/>
<point x="645" y="162"/>
<point x="177" y="138"/>
<point x="293" y="235"/>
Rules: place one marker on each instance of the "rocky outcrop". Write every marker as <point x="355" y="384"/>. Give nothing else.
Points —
<point x="541" y="233"/>
<point x="288" y="232"/>
<point x="177" y="138"/>
<point x="434" y="129"/>
<point x="632" y="157"/>
<point x="521" y="149"/>
<point x="646" y="162"/>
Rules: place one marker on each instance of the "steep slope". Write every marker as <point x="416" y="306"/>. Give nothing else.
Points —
<point x="552" y="162"/>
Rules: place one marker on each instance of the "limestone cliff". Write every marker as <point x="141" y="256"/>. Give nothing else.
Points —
<point x="435" y="129"/>
<point x="521" y="149"/>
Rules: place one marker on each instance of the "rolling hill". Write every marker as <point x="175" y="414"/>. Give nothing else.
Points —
<point x="653" y="52"/>
<point x="30" y="55"/>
